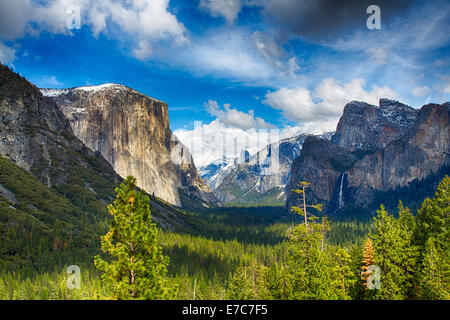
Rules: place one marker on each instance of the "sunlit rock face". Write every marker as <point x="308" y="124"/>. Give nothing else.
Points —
<point x="131" y="131"/>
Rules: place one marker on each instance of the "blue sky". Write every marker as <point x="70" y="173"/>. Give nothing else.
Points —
<point x="294" y="63"/>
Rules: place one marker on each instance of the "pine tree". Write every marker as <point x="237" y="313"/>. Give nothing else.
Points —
<point x="249" y="282"/>
<point x="431" y="236"/>
<point x="308" y="263"/>
<point x="341" y="275"/>
<point x="367" y="261"/>
<point x="303" y="210"/>
<point x="393" y="255"/>
<point x="136" y="267"/>
<point x="410" y="252"/>
<point x="435" y="274"/>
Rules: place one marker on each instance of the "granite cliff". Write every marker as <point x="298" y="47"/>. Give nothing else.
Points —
<point x="376" y="150"/>
<point x="131" y="131"/>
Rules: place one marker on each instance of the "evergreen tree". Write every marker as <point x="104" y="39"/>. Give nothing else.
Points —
<point x="431" y="236"/>
<point x="433" y="218"/>
<point x="410" y="252"/>
<point x="279" y="282"/>
<point x="434" y="274"/>
<point x="249" y="283"/>
<point x="341" y="273"/>
<point x="393" y="255"/>
<point x="367" y="261"/>
<point x="309" y="261"/>
<point x="136" y="267"/>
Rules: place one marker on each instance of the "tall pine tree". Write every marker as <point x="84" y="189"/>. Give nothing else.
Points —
<point x="135" y="267"/>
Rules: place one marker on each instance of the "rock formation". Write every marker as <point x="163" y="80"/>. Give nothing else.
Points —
<point x="131" y="131"/>
<point x="374" y="150"/>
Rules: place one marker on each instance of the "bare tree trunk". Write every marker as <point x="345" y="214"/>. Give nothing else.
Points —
<point x="304" y="207"/>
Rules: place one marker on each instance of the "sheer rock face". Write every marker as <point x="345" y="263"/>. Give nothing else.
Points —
<point x="320" y="163"/>
<point x="131" y="131"/>
<point x="422" y="151"/>
<point x="374" y="149"/>
<point x="368" y="128"/>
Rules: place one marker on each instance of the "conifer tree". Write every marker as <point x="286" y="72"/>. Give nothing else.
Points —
<point x="410" y="252"/>
<point x="135" y="267"/>
<point x="367" y="261"/>
<point x="249" y="282"/>
<point x="393" y="256"/>
<point x="303" y="209"/>
<point x="431" y="236"/>
<point x="308" y="263"/>
<point x="434" y="274"/>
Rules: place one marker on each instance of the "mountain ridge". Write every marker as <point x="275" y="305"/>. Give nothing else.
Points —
<point x="373" y="162"/>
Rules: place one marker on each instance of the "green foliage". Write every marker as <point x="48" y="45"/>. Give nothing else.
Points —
<point x="230" y="252"/>
<point x="393" y="255"/>
<point x="249" y="283"/>
<point x="431" y="236"/>
<point x="136" y="268"/>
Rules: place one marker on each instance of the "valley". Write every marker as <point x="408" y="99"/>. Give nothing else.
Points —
<point x="68" y="156"/>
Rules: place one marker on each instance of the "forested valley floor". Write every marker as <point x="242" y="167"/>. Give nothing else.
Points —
<point x="245" y="253"/>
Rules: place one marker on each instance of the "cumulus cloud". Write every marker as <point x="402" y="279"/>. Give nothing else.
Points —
<point x="235" y="118"/>
<point x="214" y="141"/>
<point x="229" y="9"/>
<point x="325" y="104"/>
<point x="131" y="21"/>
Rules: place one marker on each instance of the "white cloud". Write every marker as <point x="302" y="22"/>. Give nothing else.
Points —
<point x="14" y="17"/>
<point x="224" y="54"/>
<point x="325" y="105"/>
<point x="7" y="54"/>
<point x="213" y="141"/>
<point x="229" y="9"/>
<point x="420" y="91"/>
<point x="233" y="53"/>
<point x="139" y="23"/>
<point x="147" y="30"/>
<point x="275" y="55"/>
<point x="235" y="118"/>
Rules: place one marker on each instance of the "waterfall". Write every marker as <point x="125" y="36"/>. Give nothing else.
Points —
<point x="341" y="196"/>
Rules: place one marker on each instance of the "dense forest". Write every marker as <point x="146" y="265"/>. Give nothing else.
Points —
<point x="229" y="253"/>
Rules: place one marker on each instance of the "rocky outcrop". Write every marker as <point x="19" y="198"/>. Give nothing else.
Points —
<point x="367" y="128"/>
<point x="321" y="163"/>
<point x="36" y="136"/>
<point x="421" y="152"/>
<point x="263" y="178"/>
<point x="131" y="131"/>
<point x="374" y="151"/>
